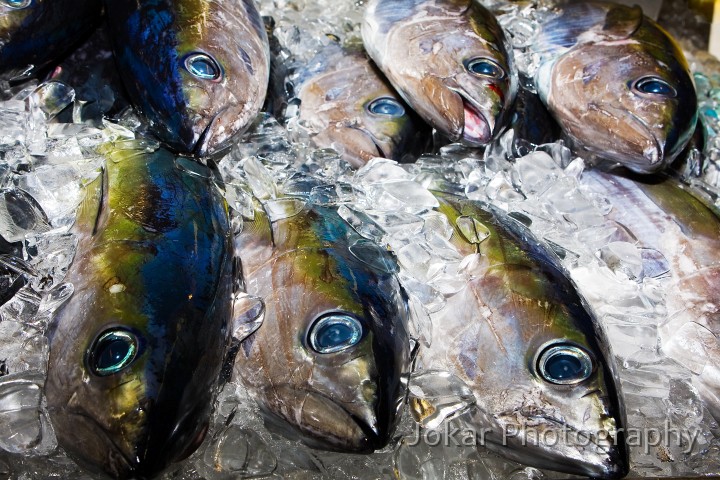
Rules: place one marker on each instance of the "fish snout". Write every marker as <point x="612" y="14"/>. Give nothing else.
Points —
<point x="356" y="146"/>
<point x="324" y="423"/>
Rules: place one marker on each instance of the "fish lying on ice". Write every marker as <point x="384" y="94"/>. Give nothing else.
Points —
<point x="35" y="33"/>
<point x="617" y="83"/>
<point x="197" y="69"/>
<point x="136" y="352"/>
<point x="538" y="364"/>
<point x="347" y="105"/>
<point x="330" y="362"/>
<point x="664" y="215"/>
<point x="448" y="59"/>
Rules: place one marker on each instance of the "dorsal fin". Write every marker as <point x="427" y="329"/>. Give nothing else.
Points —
<point x="90" y="213"/>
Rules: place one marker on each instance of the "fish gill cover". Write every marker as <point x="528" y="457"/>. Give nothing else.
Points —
<point x="49" y="154"/>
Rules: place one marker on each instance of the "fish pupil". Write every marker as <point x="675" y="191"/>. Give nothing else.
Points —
<point x="565" y="364"/>
<point x="387" y="107"/>
<point x="202" y="66"/>
<point x="335" y="332"/>
<point x="113" y="351"/>
<point x="655" y="86"/>
<point x="484" y="68"/>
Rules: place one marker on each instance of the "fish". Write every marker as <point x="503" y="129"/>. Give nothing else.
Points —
<point x="329" y="366"/>
<point x="346" y="104"/>
<point x="617" y="83"/>
<point x="137" y="350"/>
<point x="670" y="217"/>
<point x="449" y="60"/>
<point x="520" y="337"/>
<point x="36" y="33"/>
<point x="197" y="70"/>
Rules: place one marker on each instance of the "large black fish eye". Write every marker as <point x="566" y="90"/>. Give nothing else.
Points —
<point x="334" y="332"/>
<point x="564" y="364"/>
<point x="17" y="4"/>
<point x="484" y="67"/>
<point x="203" y="66"/>
<point x="386" y="106"/>
<point x="112" y="351"/>
<point x="655" y="86"/>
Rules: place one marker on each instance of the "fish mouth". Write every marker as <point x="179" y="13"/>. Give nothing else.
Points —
<point x="476" y="131"/>
<point x="321" y="422"/>
<point x="548" y="442"/>
<point x="206" y="144"/>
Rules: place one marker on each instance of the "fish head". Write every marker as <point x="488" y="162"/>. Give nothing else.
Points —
<point x="457" y="72"/>
<point x="353" y="110"/>
<point x="625" y="101"/>
<point x="198" y="81"/>
<point x="328" y="365"/>
<point x="136" y="352"/>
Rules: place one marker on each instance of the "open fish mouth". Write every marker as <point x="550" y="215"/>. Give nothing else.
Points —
<point x="322" y="422"/>
<point x="477" y="129"/>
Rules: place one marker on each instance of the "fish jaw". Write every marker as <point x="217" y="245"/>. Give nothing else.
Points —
<point x="324" y="423"/>
<point x="355" y="145"/>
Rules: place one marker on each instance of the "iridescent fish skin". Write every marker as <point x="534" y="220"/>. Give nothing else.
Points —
<point x="497" y="333"/>
<point x="197" y="69"/>
<point x="669" y="217"/>
<point x="618" y="84"/>
<point x="305" y="270"/>
<point x="34" y="33"/>
<point x="347" y="105"/>
<point x="136" y="352"/>
<point x="449" y="60"/>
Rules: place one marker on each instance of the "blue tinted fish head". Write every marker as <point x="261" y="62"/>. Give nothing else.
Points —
<point x="327" y="366"/>
<point x="136" y="352"/>
<point x="625" y="102"/>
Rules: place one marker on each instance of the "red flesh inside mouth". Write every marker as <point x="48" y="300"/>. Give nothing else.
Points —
<point x="477" y="130"/>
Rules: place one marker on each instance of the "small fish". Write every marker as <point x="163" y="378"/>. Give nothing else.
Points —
<point x="449" y="60"/>
<point x="617" y="83"/>
<point x="197" y="69"/>
<point x="669" y="217"/>
<point x="136" y="352"/>
<point x="330" y="362"/>
<point x="537" y="363"/>
<point x="347" y="105"/>
<point x="35" y="33"/>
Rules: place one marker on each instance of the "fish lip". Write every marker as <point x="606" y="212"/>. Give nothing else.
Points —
<point x="469" y="106"/>
<point x="200" y="149"/>
<point x="381" y="153"/>
<point x="372" y="439"/>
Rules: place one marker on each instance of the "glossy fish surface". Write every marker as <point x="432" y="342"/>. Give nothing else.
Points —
<point x="617" y="83"/>
<point x="449" y="60"/>
<point x="537" y="363"/>
<point x="197" y="69"/>
<point x="329" y="364"/>
<point x="34" y="33"/>
<point x="667" y="216"/>
<point x="346" y="104"/>
<point x="136" y="352"/>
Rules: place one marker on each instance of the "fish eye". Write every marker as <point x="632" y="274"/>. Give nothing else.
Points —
<point x="112" y="351"/>
<point x="335" y="332"/>
<point x="203" y="66"/>
<point x="17" y="4"/>
<point x="655" y="86"/>
<point x="484" y="67"/>
<point x="387" y="107"/>
<point x="565" y="364"/>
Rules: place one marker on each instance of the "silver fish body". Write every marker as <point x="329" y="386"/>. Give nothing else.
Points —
<point x="538" y="364"/>
<point x="330" y="363"/>
<point x="617" y="83"/>
<point x="346" y="104"/>
<point x="448" y="59"/>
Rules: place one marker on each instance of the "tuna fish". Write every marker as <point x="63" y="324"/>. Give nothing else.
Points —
<point x="329" y="364"/>
<point x="136" y="352"/>
<point x="197" y="69"/>
<point x="538" y="364"/>
<point x="448" y="59"/>
<point x="617" y="83"/>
